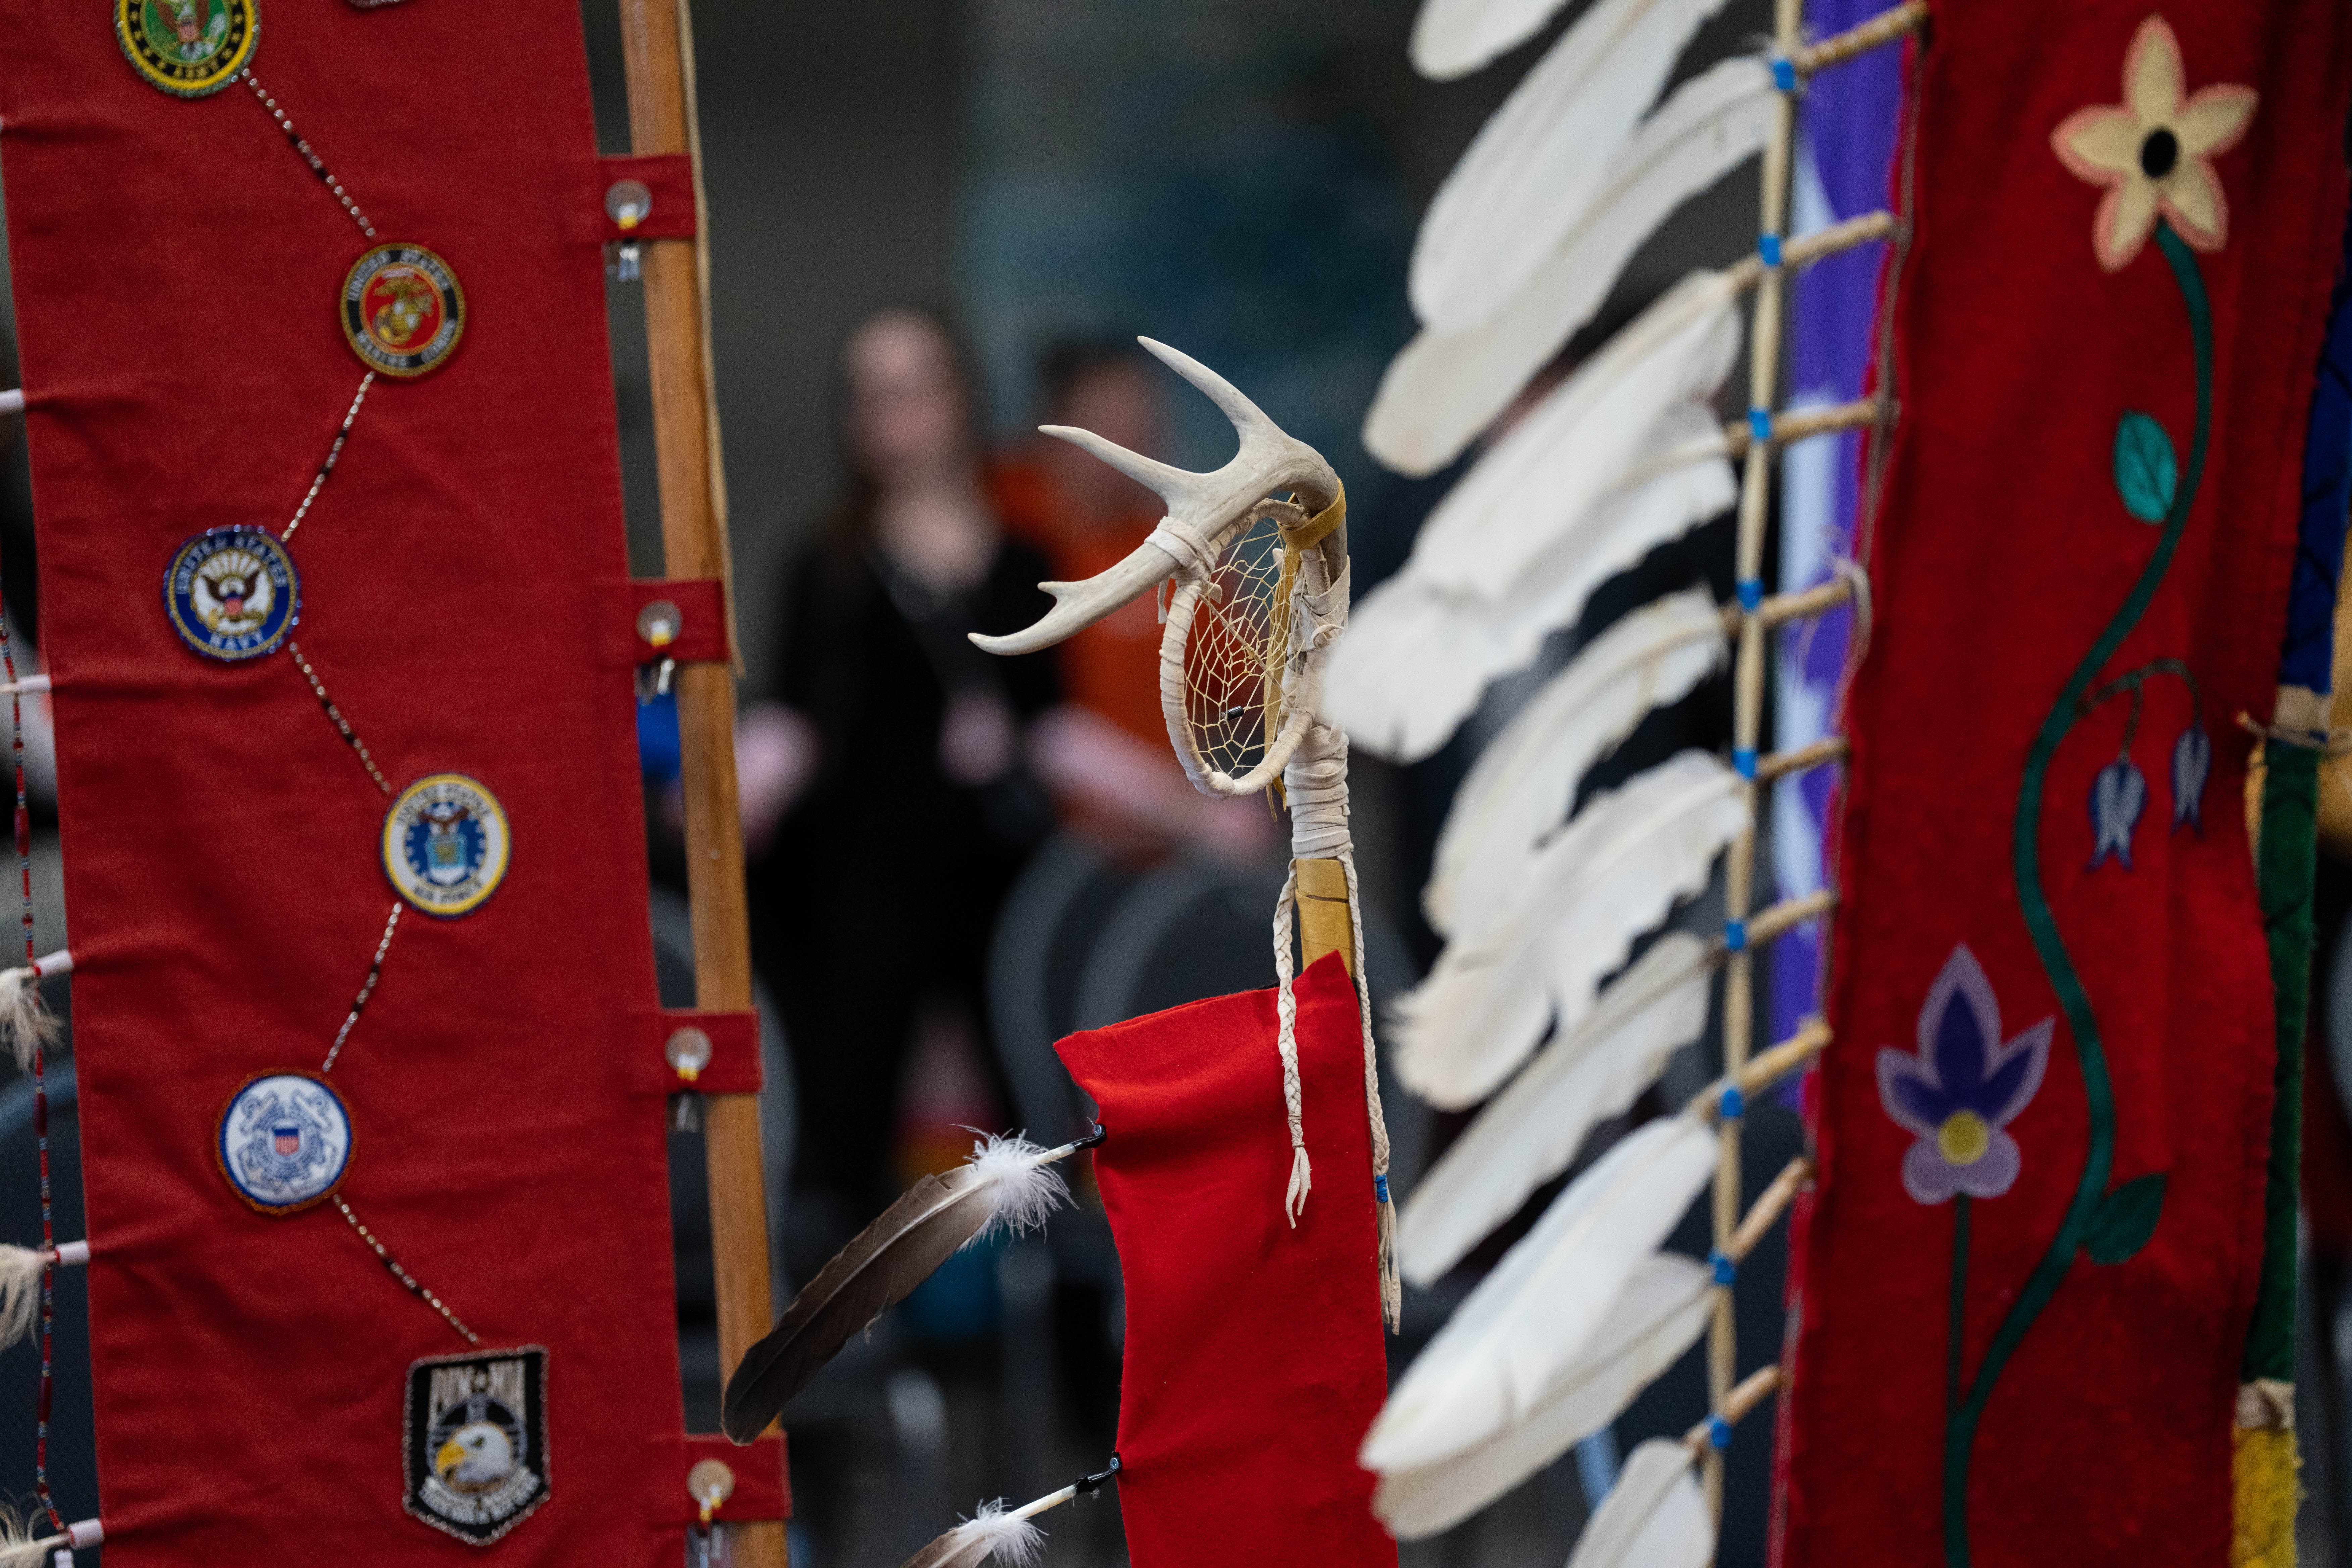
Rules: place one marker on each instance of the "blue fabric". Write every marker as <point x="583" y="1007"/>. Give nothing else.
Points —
<point x="2307" y="657"/>
<point x="660" y="753"/>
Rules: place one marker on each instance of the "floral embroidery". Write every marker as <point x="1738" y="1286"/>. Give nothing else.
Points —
<point x="1961" y="1093"/>
<point x="2118" y="797"/>
<point x="2192" y="759"/>
<point x="2154" y="150"/>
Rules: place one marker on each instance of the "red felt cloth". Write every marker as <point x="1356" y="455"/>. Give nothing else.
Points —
<point x="1255" y="1356"/>
<point x="2002" y="551"/>
<point x="176" y="272"/>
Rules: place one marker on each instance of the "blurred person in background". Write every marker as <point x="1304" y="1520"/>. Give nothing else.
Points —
<point x="889" y="787"/>
<point x="1107" y="753"/>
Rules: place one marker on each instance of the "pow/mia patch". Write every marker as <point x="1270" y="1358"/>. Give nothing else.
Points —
<point x="445" y="844"/>
<point x="231" y="594"/>
<point x="403" y="309"/>
<point x="188" y="47"/>
<point x="285" y="1142"/>
<point x="474" y="1435"/>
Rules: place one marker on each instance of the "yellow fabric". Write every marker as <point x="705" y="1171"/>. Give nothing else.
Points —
<point x="2266" y="1489"/>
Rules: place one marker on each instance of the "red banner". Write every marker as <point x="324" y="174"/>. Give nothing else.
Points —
<point x="2021" y="1290"/>
<point x="383" y="1295"/>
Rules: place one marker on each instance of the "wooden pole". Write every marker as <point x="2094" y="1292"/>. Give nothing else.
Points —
<point x="694" y="544"/>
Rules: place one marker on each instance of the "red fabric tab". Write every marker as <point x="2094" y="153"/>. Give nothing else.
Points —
<point x="697" y="633"/>
<point x="762" y="1471"/>
<point x="249" y="1372"/>
<point x="669" y="177"/>
<point x="2050" y="986"/>
<point x="1254" y="1357"/>
<point x="734" y="1065"/>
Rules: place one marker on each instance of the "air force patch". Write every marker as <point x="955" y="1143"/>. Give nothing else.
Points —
<point x="445" y="844"/>
<point x="285" y="1142"/>
<point x="474" y="1435"/>
<point x="231" y="594"/>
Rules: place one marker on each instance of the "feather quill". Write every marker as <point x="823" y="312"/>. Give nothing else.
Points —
<point x="1664" y="1308"/>
<point x="1615" y="871"/>
<point x="1444" y="387"/>
<point x="1580" y="443"/>
<point x="1009" y="1185"/>
<point x="1534" y="1128"/>
<point x="1653" y="1517"/>
<point x="990" y="1532"/>
<point x="1524" y="782"/>
<point x="1416" y="656"/>
<point x="1537" y="164"/>
<point x="1534" y="1316"/>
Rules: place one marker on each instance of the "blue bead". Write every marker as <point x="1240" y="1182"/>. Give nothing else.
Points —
<point x="1743" y="761"/>
<point x="1751" y="594"/>
<point x="1784" y="73"/>
<point x="1735" y="1104"/>
<point x="1380" y="1188"/>
<point x="1725" y="1271"/>
<point x="1719" y="1432"/>
<point x="1768" y="247"/>
<point x="1759" y="424"/>
<point x="1735" y="935"/>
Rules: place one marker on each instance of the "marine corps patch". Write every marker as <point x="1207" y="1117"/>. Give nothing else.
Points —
<point x="473" y="1441"/>
<point x="445" y="844"/>
<point x="285" y="1142"/>
<point x="188" y="47"/>
<point x="403" y="309"/>
<point x="231" y="594"/>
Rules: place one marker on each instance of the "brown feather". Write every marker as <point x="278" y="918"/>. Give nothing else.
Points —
<point x="888" y="1259"/>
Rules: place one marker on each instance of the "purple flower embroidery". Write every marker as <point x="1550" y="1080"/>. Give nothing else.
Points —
<point x="2118" y="797"/>
<point x="1963" y="1089"/>
<point x="2192" y="759"/>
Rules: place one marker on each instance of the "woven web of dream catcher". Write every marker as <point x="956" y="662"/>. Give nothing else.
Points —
<point x="1234" y="657"/>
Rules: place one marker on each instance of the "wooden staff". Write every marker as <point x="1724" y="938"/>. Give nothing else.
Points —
<point x="654" y="39"/>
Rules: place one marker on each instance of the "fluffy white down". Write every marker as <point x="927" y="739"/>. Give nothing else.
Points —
<point x="992" y="1532"/>
<point x="1023" y="1188"/>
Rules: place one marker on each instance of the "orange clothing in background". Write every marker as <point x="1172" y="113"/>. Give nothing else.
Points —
<point x="1112" y="666"/>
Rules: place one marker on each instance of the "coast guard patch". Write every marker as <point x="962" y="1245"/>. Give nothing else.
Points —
<point x="285" y="1142"/>
<point x="231" y="594"/>
<point x="403" y="309"/>
<point x="473" y="1441"/>
<point x="445" y="844"/>
<point x="190" y="48"/>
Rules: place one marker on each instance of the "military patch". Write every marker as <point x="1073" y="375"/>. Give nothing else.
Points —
<point x="403" y="309"/>
<point x="232" y="593"/>
<point x="188" y="47"/>
<point x="445" y="844"/>
<point x="473" y="1441"/>
<point x="285" y="1142"/>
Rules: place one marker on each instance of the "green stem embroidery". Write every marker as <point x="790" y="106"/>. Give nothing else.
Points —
<point x="1962" y="1423"/>
<point x="1955" y="1336"/>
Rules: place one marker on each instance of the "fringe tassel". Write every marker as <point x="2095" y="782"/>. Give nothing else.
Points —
<point x="24" y="1018"/>
<point x="2263" y="1466"/>
<point x="1302" y="1177"/>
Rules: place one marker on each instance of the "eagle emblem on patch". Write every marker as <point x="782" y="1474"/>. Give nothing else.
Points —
<point x="285" y="1142"/>
<point x="190" y="48"/>
<point x="474" y="1440"/>
<point x="445" y="844"/>
<point x="232" y="593"/>
<point x="403" y="309"/>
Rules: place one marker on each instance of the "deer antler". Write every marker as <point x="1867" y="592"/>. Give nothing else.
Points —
<point x="1203" y="509"/>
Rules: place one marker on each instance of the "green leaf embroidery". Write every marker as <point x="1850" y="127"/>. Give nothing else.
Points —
<point x="2126" y="1219"/>
<point x="2148" y="476"/>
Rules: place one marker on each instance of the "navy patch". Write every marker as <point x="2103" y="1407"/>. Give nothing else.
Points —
<point x="445" y="844"/>
<point x="403" y="309"/>
<point x="190" y="48"/>
<point x="232" y="593"/>
<point x="473" y="1441"/>
<point x="285" y="1142"/>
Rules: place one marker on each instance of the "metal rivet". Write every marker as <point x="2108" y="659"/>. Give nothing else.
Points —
<point x="660" y="622"/>
<point x="688" y="1051"/>
<point x="628" y="203"/>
